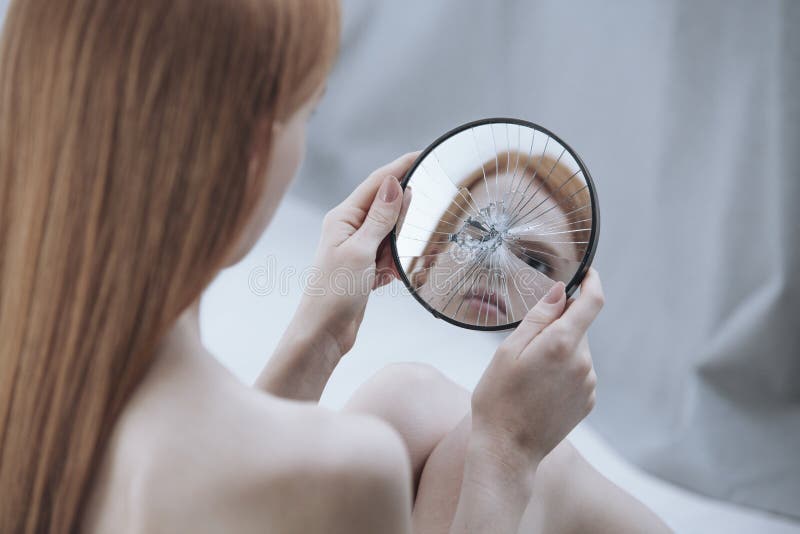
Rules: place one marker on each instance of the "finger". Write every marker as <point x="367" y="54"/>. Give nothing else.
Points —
<point x="586" y="354"/>
<point x="590" y="402"/>
<point x="580" y="313"/>
<point x="581" y="358"/>
<point x="382" y="215"/>
<point x="385" y="260"/>
<point x="407" y="193"/>
<point x="385" y="268"/>
<point x="583" y="345"/>
<point x="547" y="310"/>
<point x="364" y="193"/>
<point x="590" y="383"/>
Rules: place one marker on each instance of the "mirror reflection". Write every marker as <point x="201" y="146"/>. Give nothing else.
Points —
<point x="498" y="212"/>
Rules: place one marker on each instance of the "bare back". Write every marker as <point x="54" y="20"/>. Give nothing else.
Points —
<point x="197" y="451"/>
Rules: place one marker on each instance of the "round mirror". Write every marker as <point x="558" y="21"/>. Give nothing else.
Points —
<point x="499" y="210"/>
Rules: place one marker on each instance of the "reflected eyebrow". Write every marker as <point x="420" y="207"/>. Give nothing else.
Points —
<point x="528" y="246"/>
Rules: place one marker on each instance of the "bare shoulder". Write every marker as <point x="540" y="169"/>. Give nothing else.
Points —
<point x="339" y="473"/>
<point x="236" y="460"/>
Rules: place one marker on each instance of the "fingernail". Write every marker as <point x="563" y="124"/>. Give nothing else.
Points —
<point x="554" y="295"/>
<point x="389" y="189"/>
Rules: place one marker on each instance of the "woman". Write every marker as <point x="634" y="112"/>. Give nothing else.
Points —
<point x="540" y="211"/>
<point x="144" y="145"/>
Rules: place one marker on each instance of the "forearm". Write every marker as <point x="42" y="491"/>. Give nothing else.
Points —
<point x="301" y="365"/>
<point x="495" y="490"/>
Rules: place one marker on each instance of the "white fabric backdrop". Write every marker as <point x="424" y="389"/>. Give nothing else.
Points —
<point x="687" y="115"/>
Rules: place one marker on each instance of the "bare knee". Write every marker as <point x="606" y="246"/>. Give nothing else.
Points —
<point x="418" y="375"/>
<point x="419" y="401"/>
<point x="558" y="468"/>
<point x="402" y="385"/>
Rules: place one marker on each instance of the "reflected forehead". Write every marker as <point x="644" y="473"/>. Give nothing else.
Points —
<point x="521" y="183"/>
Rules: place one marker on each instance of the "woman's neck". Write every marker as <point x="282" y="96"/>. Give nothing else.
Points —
<point x="188" y="322"/>
<point x="182" y="345"/>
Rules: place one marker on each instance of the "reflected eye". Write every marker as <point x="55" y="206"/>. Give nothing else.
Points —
<point x="536" y="255"/>
<point x="537" y="264"/>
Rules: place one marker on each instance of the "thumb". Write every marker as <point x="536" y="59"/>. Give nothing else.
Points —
<point x="548" y="309"/>
<point x="382" y="215"/>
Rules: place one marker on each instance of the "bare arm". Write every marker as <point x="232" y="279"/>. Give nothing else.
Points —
<point x="307" y="470"/>
<point x="302" y="363"/>
<point x="495" y="490"/>
<point x="352" y="259"/>
<point x="360" y="485"/>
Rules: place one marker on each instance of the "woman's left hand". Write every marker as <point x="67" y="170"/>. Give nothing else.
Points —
<point x="354" y="256"/>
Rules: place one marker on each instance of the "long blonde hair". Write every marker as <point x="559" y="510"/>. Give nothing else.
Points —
<point x="126" y="131"/>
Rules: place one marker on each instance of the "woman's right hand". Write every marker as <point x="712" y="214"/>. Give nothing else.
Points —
<point x="540" y="383"/>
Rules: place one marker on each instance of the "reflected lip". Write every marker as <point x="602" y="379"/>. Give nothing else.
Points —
<point x="483" y="295"/>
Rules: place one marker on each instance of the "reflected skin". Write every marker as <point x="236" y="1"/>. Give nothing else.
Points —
<point x="517" y="274"/>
